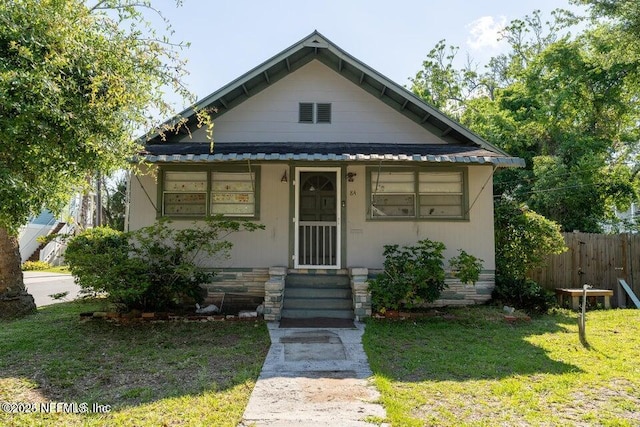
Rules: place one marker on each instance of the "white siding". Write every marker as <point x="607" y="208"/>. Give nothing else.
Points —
<point x="268" y="247"/>
<point x="366" y="239"/>
<point x="357" y="116"/>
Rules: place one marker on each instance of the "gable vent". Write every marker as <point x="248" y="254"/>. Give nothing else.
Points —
<point x="323" y="114"/>
<point x="306" y="112"/>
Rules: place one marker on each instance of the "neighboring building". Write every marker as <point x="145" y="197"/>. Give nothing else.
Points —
<point x="38" y="226"/>
<point x="48" y="223"/>
<point x="336" y="161"/>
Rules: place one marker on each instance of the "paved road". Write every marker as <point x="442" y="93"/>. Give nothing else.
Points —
<point x="41" y="285"/>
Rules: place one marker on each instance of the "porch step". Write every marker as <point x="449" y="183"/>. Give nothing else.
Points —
<point x="319" y="303"/>
<point x="318" y="280"/>
<point x="308" y="292"/>
<point x="317" y="295"/>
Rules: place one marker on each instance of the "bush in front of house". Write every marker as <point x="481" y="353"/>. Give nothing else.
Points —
<point x="35" y="265"/>
<point x="524" y="240"/>
<point x="466" y="267"/>
<point x="525" y="294"/>
<point x="412" y="275"/>
<point x="154" y="268"/>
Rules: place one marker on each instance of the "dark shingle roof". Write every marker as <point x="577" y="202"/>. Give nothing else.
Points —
<point x="335" y="151"/>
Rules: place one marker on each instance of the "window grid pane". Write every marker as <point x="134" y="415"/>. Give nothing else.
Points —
<point x="393" y="194"/>
<point x="440" y="206"/>
<point x="392" y="182"/>
<point x="441" y="194"/>
<point x="184" y="193"/>
<point x="233" y="194"/>
<point x="393" y="205"/>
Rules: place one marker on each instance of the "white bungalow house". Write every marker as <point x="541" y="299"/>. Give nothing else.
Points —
<point x="336" y="161"/>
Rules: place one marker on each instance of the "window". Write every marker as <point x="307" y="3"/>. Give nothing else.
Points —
<point x="418" y="194"/>
<point x="441" y="194"/>
<point x="224" y="192"/>
<point x="321" y="111"/>
<point x="232" y="194"/>
<point x="393" y="194"/>
<point x="185" y="193"/>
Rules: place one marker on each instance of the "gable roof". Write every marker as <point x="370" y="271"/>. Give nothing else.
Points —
<point x="317" y="47"/>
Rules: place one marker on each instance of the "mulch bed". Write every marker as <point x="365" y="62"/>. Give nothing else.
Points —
<point x="159" y="317"/>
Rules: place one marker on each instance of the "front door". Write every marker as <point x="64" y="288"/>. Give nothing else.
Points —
<point x="317" y="228"/>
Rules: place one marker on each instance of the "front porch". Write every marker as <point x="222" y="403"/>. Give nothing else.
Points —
<point x="334" y="293"/>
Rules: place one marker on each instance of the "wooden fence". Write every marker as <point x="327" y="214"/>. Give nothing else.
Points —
<point x="594" y="259"/>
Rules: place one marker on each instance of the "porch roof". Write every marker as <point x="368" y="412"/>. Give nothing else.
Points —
<point x="351" y="152"/>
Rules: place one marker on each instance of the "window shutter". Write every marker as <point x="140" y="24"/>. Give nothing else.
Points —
<point x="323" y="113"/>
<point x="306" y="112"/>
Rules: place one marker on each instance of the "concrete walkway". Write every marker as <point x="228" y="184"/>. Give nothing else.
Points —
<point x="314" y="377"/>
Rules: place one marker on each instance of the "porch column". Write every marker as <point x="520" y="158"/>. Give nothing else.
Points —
<point x="274" y="293"/>
<point x="360" y="292"/>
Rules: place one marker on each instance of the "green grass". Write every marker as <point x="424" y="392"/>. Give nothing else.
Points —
<point x="172" y="373"/>
<point x="58" y="269"/>
<point x="474" y="369"/>
<point x="52" y="269"/>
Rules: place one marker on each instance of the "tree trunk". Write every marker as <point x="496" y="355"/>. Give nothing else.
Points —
<point x="14" y="299"/>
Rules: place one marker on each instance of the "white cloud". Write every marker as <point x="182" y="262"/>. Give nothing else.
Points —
<point x="485" y="32"/>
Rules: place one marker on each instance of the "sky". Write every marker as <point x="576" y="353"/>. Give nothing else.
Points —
<point x="229" y="38"/>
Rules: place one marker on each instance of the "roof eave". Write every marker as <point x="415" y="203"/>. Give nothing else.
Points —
<point x="499" y="162"/>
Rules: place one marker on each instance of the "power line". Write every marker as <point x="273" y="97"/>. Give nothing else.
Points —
<point x="568" y="187"/>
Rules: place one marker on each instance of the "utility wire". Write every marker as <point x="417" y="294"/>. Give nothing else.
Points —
<point x="549" y="190"/>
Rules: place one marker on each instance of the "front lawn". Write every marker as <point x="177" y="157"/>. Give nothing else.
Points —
<point x="172" y="373"/>
<point x="472" y="368"/>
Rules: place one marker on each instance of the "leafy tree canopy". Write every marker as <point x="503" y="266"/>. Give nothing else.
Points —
<point x="565" y="103"/>
<point x="77" y="82"/>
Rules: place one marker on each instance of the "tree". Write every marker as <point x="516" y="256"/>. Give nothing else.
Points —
<point x="115" y="201"/>
<point x="524" y="240"/>
<point x="563" y="103"/>
<point x="77" y="82"/>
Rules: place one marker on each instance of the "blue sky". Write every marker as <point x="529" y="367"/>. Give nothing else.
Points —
<point x="228" y="38"/>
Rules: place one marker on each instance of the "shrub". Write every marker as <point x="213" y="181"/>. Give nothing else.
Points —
<point x="412" y="275"/>
<point x="96" y="256"/>
<point x="466" y="267"/>
<point x="154" y="268"/>
<point x="524" y="240"/>
<point x="35" y="265"/>
<point x="525" y="294"/>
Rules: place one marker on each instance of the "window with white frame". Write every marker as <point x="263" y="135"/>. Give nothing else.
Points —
<point x="416" y="193"/>
<point x="229" y="193"/>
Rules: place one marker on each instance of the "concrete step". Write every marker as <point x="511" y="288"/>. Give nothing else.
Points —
<point x="305" y="292"/>
<point x="318" y="303"/>
<point x="317" y="281"/>
<point x="308" y="313"/>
